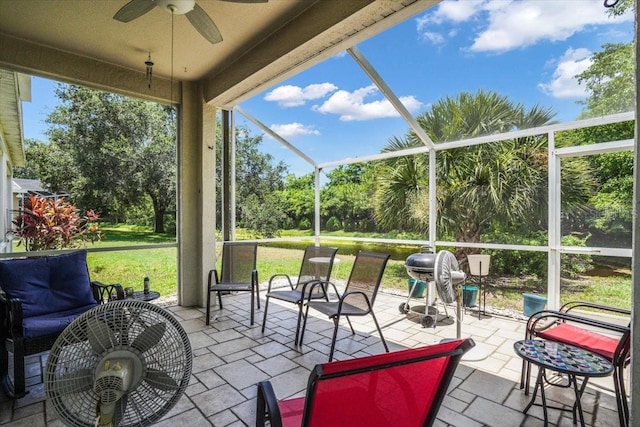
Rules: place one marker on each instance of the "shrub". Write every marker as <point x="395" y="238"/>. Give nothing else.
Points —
<point x="304" y="224"/>
<point x="333" y="224"/>
<point x="54" y="224"/>
<point x="572" y="265"/>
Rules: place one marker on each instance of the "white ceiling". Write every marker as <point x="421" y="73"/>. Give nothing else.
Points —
<point x="263" y="43"/>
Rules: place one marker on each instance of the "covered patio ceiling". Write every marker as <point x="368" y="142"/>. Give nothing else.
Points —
<point x="263" y="43"/>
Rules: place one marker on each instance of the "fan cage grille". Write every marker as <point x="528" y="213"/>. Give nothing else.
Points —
<point x="165" y="354"/>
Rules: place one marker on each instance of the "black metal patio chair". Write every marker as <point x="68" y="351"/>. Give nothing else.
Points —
<point x="358" y="297"/>
<point x="239" y="274"/>
<point x="317" y="264"/>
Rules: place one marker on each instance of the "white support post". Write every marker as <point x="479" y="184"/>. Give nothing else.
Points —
<point x="316" y="204"/>
<point x="232" y="173"/>
<point x="432" y="200"/>
<point x="553" y="267"/>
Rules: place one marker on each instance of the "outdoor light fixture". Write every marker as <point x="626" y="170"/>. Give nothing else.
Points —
<point x="149" y="65"/>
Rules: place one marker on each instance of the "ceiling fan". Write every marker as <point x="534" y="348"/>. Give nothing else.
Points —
<point x="195" y="14"/>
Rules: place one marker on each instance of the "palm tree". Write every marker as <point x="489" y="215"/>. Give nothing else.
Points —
<point x="477" y="187"/>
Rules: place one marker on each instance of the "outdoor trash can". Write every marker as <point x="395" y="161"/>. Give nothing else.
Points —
<point x="533" y="303"/>
<point x="469" y="295"/>
<point x="418" y="290"/>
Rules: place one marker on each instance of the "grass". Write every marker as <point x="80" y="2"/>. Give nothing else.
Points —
<point x="606" y="284"/>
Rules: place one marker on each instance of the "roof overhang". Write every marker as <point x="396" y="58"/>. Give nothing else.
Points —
<point x="14" y="88"/>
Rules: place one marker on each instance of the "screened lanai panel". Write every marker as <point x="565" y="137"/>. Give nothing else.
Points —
<point x="494" y="192"/>
<point x="596" y="207"/>
<point x="330" y="112"/>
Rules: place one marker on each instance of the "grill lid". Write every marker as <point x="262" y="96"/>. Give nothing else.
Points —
<point x="420" y="264"/>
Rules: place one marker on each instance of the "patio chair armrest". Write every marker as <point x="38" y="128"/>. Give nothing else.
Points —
<point x="267" y="406"/>
<point x="312" y="284"/>
<point x="10" y="316"/>
<point x="212" y="274"/>
<point x="280" y="275"/>
<point x="544" y="319"/>
<point x="586" y="304"/>
<point x="105" y="293"/>
<point x="353" y="294"/>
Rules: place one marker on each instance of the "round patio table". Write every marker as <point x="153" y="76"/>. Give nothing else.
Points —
<point x="141" y="296"/>
<point x="566" y="359"/>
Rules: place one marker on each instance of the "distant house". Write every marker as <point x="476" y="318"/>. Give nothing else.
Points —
<point x="23" y="188"/>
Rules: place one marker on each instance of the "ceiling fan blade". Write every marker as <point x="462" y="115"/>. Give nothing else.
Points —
<point x="160" y="380"/>
<point x="205" y="26"/>
<point x="100" y="336"/>
<point x="149" y="337"/>
<point x="134" y="9"/>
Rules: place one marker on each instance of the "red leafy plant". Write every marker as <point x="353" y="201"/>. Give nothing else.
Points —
<point x="45" y="224"/>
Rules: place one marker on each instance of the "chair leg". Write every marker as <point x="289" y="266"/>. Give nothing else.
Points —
<point x="208" y="306"/>
<point x="353" y="331"/>
<point x="384" y="343"/>
<point x="336" y="321"/>
<point x="5" y="380"/>
<point x="220" y="299"/>
<point x="304" y="324"/>
<point x="298" y="337"/>
<point x="266" y="307"/>
<point x="252" y="305"/>
<point x="621" y="396"/>
<point x="18" y="369"/>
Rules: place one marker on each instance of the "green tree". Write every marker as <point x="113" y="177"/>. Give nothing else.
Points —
<point x="258" y="180"/>
<point x="478" y="187"/>
<point x="610" y="81"/>
<point x="121" y="151"/>
<point x="298" y="199"/>
<point x="346" y="198"/>
<point x="49" y="164"/>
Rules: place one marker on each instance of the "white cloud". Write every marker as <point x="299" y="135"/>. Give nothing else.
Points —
<point x="351" y="106"/>
<point x="434" y="38"/>
<point x="295" y="96"/>
<point x="451" y="11"/>
<point x="563" y="83"/>
<point x="292" y="130"/>
<point x="515" y="24"/>
<point x="448" y="11"/>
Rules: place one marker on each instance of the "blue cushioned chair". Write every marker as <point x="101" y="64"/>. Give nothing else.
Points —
<point x="39" y="298"/>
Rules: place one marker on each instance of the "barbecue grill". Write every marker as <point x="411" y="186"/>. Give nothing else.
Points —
<point x="420" y="266"/>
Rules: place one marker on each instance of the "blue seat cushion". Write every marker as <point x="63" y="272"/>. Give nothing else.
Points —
<point x="52" y="323"/>
<point x="50" y="284"/>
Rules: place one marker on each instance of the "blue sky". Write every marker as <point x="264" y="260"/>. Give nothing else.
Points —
<point x="529" y="51"/>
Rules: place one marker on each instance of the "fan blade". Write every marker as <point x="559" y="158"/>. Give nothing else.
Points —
<point x="134" y="9"/>
<point x="100" y="336"/>
<point x="205" y="26"/>
<point x="74" y="382"/>
<point x="149" y="337"/>
<point x="160" y="380"/>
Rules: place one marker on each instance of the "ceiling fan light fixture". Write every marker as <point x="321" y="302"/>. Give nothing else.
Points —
<point x="176" y="7"/>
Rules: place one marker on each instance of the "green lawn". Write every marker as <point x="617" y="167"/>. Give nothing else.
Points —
<point x="607" y="285"/>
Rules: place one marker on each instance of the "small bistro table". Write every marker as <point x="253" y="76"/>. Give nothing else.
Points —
<point x="566" y="359"/>
<point x="141" y="296"/>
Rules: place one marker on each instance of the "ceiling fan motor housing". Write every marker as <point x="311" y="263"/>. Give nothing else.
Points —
<point x="176" y="7"/>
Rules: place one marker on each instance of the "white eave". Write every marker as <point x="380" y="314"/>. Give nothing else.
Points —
<point x="14" y="88"/>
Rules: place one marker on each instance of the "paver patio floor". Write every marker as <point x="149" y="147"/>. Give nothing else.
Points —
<point x="229" y="358"/>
